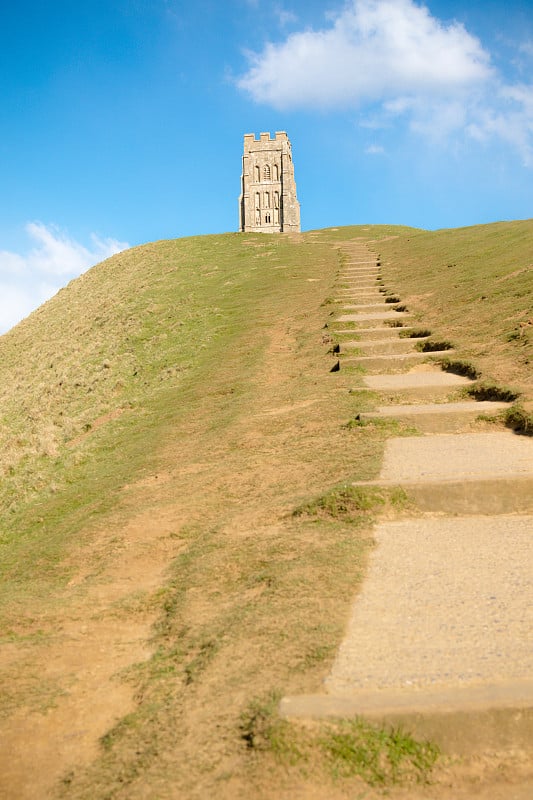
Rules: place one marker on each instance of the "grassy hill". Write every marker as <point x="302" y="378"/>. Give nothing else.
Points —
<point x="161" y="419"/>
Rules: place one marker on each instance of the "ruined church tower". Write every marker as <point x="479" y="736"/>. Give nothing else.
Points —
<point x="268" y="202"/>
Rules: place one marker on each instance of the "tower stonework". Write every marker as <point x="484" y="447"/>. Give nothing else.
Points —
<point x="268" y="202"/>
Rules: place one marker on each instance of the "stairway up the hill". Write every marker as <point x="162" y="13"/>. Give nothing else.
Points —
<point x="439" y="637"/>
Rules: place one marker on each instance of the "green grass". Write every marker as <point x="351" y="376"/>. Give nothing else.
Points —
<point x="473" y="286"/>
<point x="378" y="755"/>
<point x="202" y="361"/>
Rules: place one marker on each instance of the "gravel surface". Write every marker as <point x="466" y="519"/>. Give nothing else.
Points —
<point x="463" y="455"/>
<point x="447" y="602"/>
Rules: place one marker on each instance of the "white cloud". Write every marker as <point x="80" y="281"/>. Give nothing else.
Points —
<point x="397" y="64"/>
<point x="374" y="150"/>
<point x="373" y="50"/>
<point x="29" y="279"/>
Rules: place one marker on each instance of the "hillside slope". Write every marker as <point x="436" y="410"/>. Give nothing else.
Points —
<point x="161" y="419"/>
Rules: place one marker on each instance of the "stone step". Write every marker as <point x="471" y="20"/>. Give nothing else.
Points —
<point x="360" y="268"/>
<point x="438" y="417"/>
<point x="371" y="306"/>
<point x="467" y="473"/>
<point x="367" y="288"/>
<point x="384" y="346"/>
<point x="357" y="291"/>
<point x="359" y="295"/>
<point x="363" y="276"/>
<point x="375" y="316"/>
<point x="439" y="636"/>
<point x="373" y="334"/>
<point x="462" y="722"/>
<point x="511" y="494"/>
<point x="428" y="382"/>
<point x="362" y="273"/>
<point x="391" y="363"/>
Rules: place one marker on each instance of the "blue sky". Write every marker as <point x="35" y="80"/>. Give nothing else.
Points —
<point x="121" y="121"/>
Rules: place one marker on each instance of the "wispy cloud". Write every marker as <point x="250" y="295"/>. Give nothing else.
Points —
<point x="285" y="17"/>
<point x="374" y="150"/>
<point x="393" y="55"/>
<point x="27" y="280"/>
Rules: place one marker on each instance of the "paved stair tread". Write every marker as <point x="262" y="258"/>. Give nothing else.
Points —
<point x="368" y="306"/>
<point x="377" y="315"/>
<point x="385" y="346"/>
<point x="443" y="620"/>
<point x="416" y="380"/>
<point x="451" y="597"/>
<point x="374" y="334"/>
<point x="400" y="358"/>
<point x="452" y="456"/>
<point x="417" y="409"/>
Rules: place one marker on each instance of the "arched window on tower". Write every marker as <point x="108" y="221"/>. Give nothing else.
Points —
<point x="257" y="174"/>
<point x="276" y="199"/>
<point x="276" y="172"/>
<point x="267" y="218"/>
<point x="267" y="199"/>
<point x="257" y="200"/>
<point x="266" y="172"/>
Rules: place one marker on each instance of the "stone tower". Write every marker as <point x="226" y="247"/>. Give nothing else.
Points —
<point x="268" y="202"/>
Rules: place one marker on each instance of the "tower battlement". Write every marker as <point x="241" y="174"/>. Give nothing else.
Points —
<point x="268" y="202"/>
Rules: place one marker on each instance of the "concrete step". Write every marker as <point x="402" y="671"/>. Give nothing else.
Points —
<point x="362" y="286"/>
<point x="439" y="636"/>
<point x="373" y="334"/>
<point x="438" y="417"/>
<point x="349" y="268"/>
<point x="366" y="288"/>
<point x="391" y="363"/>
<point x="371" y="306"/>
<point x="374" y="316"/>
<point x="467" y="473"/>
<point x="384" y="346"/>
<point x="361" y="273"/>
<point x="360" y="276"/>
<point x="463" y="722"/>
<point x="512" y="494"/>
<point x="359" y="296"/>
<point x="429" y="382"/>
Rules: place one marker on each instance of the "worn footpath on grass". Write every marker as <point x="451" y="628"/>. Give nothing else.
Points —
<point x="440" y="635"/>
<point x="194" y="590"/>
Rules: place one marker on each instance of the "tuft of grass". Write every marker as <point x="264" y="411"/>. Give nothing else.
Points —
<point x="380" y="756"/>
<point x="352" y="504"/>
<point x="520" y="420"/>
<point x="419" y="333"/>
<point x="262" y="729"/>
<point x="433" y="347"/>
<point x="440" y="273"/>
<point x="486" y="390"/>
<point x="347" y="503"/>
<point x="458" y="367"/>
